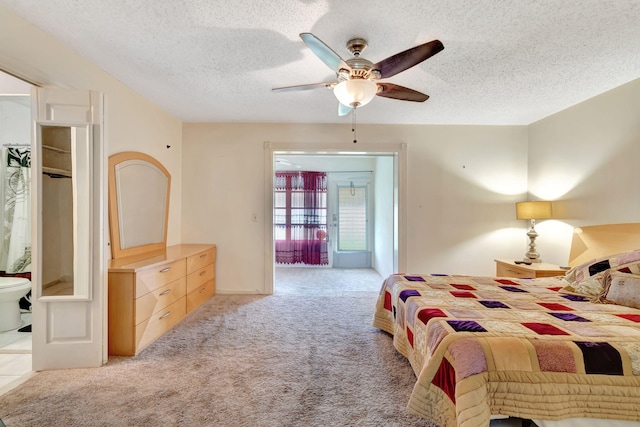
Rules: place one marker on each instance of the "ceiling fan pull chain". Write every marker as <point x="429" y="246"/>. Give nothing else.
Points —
<point x="353" y="125"/>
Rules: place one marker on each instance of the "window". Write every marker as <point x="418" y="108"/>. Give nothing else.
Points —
<point x="352" y="218"/>
<point x="300" y="218"/>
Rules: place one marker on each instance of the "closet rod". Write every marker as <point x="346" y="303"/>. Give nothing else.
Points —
<point x="55" y="175"/>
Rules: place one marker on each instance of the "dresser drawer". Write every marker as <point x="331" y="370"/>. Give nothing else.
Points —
<point x="199" y="260"/>
<point x="200" y="295"/>
<point x="156" y="300"/>
<point x="159" y="322"/>
<point x="198" y="277"/>
<point x="156" y="277"/>
<point x="505" y="270"/>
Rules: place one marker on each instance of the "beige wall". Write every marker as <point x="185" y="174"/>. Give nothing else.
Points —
<point x="586" y="159"/>
<point x="132" y="122"/>
<point x="463" y="182"/>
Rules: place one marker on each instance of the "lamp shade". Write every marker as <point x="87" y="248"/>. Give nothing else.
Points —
<point x="533" y="210"/>
<point x="355" y="92"/>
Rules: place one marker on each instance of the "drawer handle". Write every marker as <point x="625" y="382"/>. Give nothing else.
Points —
<point x="164" y="315"/>
<point x="165" y="292"/>
<point x="164" y="270"/>
<point x="203" y="256"/>
<point x="202" y="290"/>
<point x="202" y="273"/>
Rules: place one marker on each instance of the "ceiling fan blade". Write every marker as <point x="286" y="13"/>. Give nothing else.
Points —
<point x="343" y="110"/>
<point x="324" y="52"/>
<point x="328" y="85"/>
<point x="390" y="90"/>
<point x="407" y="59"/>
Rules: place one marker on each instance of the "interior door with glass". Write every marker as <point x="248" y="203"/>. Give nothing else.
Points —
<point x="68" y="217"/>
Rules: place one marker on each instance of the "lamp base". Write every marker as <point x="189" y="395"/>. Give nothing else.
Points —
<point x="531" y="255"/>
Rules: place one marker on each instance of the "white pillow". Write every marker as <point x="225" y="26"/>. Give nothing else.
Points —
<point x="623" y="289"/>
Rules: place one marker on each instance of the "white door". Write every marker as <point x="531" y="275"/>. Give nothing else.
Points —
<point x="68" y="229"/>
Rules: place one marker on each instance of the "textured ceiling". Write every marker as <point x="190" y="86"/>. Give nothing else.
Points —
<point x="504" y="62"/>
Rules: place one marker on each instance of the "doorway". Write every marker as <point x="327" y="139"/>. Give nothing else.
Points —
<point x="381" y="173"/>
<point x="50" y="347"/>
<point x="15" y="141"/>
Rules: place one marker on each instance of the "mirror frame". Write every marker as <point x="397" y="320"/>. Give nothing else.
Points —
<point x="114" y="210"/>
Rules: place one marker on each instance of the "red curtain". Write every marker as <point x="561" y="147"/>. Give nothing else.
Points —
<point x="300" y="218"/>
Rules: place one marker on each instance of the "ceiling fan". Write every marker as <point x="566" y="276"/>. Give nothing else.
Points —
<point x="358" y="79"/>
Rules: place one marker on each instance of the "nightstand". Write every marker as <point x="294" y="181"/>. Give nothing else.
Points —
<point x="508" y="268"/>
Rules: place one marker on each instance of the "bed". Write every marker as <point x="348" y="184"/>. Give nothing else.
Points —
<point x="559" y="348"/>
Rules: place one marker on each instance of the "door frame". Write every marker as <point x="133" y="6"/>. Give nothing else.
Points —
<point x="397" y="150"/>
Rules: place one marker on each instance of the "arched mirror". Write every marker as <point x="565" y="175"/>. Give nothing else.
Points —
<point x="139" y="188"/>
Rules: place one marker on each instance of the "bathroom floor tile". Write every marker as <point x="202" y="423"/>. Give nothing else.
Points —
<point x="15" y="364"/>
<point x="21" y="345"/>
<point x="17" y="341"/>
<point x="8" y="338"/>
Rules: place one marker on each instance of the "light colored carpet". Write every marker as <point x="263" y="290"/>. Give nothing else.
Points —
<point x="305" y="356"/>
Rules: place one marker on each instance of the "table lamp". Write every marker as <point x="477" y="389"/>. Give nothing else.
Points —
<point x="533" y="211"/>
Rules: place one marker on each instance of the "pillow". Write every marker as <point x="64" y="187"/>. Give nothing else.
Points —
<point x="630" y="268"/>
<point x="570" y="275"/>
<point x="622" y="289"/>
<point x="591" y="286"/>
<point x="589" y="268"/>
<point x="586" y="279"/>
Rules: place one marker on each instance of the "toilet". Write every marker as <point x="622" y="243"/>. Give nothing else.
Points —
<point x="11" y="290"/>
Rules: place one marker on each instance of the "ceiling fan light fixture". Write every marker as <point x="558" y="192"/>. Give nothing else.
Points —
<point x="355" y="92"/>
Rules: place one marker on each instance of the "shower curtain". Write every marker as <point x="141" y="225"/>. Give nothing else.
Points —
<point x="15" y="210"/>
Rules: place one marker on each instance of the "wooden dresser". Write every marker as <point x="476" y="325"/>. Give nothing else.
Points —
<point x="150" y="293"/>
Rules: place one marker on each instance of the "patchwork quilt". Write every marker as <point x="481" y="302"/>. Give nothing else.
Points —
<point x="519" y="347"/>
